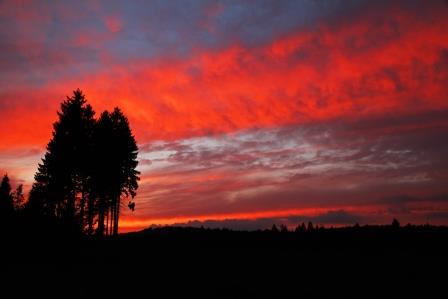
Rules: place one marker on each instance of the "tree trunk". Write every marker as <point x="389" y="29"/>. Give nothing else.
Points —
<point x="107" y="222"/>
<point x="101" y="211"/>
<point x="117" y="215"/>
<point x="70" y="209"/>
<point x="112" y="214"/>
<point x="90" y="215"/>
<point x="81" y="212"/>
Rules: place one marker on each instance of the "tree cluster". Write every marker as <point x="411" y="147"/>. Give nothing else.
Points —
<point x="10" y="201"/>
<point x="88" y="169"/>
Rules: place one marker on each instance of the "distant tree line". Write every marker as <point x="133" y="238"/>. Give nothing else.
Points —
<point x="88" y="169"/>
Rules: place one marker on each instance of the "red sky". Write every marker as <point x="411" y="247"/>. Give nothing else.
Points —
<point x="281" y="111"/>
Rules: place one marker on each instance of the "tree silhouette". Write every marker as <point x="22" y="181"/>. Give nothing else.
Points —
<point x="310" y="227"/>
<point x="18" y="197"/>
<point x="395" y="224"/>
<point x="300" y="228"/>
<point x="89" y="165"/>
<point x="116" y="174"/>
<point x="125" y="162"/>
<point x="6" y="199"/>
<point x="64" y="171"/>
<point x="38" y="203"/>
<point x="101" y="174"/>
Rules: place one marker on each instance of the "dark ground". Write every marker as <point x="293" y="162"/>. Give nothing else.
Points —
<point x="366" y="262"/>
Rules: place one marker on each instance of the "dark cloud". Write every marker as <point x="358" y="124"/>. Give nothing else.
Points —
<point x="362" y="163"/>
<point x="443" y="216"/>
<point x="404" y="199"/>
<point x="330" y="218"/>
<point x="233" y="224"/>
<point x="337" y="217"/>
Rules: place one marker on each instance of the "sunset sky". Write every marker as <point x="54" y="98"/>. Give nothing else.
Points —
<point x="246" y="113"/>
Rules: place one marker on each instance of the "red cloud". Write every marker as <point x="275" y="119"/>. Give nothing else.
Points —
<point x="392" y="64"/>
<point x="307" y="77"/>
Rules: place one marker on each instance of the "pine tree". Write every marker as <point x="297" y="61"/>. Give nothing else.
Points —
<point x="116" y="174"/>
<point x="6" y="200"/>
<point x="125" y="163"/>
<point x="18" y="198"/>
<point x="310" y="227"/>
<point x="65" y="169"/>
<point x="38" y="203"/>
<point x="102" y="175"/>
<point x="87" y="169"/>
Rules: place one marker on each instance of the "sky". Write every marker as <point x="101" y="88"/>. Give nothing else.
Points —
<point x="246" y="113"/>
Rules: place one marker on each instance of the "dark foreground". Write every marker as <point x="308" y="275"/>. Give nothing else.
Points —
<point x="366" y="262"/>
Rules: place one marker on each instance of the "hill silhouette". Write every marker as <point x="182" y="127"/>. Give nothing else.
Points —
<point x="351" y="262"/>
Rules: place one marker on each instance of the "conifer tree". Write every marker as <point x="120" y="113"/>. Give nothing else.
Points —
<point x="65" y="169"/>
<point x="6" y="199"/>
<point x="89" y="166"/>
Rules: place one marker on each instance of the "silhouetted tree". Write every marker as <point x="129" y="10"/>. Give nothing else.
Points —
<point x="395" y="224"/>
<point x="18" y="197"/>
<point x="99" y="198"/>
<point x="310" y="227"/>
<point x="62" y="176"/>
<point x="115" y="175"/>
<point x="87" y="169"/>
<point x="6" y="200"/>
<point x="301" y="228"/>
<point x="38" y="203"/>
<point x="274" y="229"/>
<point x="127" y="163"/>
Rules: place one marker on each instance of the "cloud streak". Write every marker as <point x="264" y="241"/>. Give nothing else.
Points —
<point x="384" y="169"/>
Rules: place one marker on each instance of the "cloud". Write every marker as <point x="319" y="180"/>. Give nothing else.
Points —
<point x="310" y="74"/>
<point x="329" y="218"/>
<point x="242" y="108"/>
<point x="20" y="165"/>
<point x="113" y="23"/>
<point x="338" y="217"/>
<point x="363" y="164"/>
